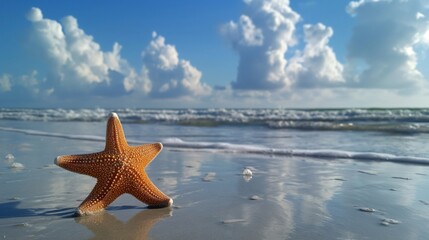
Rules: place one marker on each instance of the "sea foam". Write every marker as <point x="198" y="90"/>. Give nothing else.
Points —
<point x="225" y="147"/>
<point x="314" y="153"/>
<point x="408" y="121"/>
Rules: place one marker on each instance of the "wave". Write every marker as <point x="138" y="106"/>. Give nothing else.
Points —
<point x="316" y="153"/>
<point x="220" y="115"/>
<point x="388" y="127"/>
<point x="225" y="147"/>
<point x="382" y="120"/>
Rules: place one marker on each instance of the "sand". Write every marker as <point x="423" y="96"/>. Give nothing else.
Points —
<point x="284" y="198"/>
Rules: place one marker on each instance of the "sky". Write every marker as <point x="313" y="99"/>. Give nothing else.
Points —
<point x="188" y="54"/>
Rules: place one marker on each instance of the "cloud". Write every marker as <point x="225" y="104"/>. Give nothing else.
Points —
<point x="243" y="33"/>
<point x="35" y="15"/>
<point x="316" y="65"/>
<point x="30" y="81"/>
<point x="23" y="90"/>
<point x="76" y="61"/>
<point x="382" y="49"/>
<point x="168" y="75"/>
<point x="49" y="35"/>
<point x="381" y="52"/>
<point x="9" y="83"/>
<point x="261" y="38"/>
<point x="353" y="5"/>
<point x="282" y="60"/>
<point x="5" y="84"/>
<point x="77" y="64"/>
<point x="425" y="37"/>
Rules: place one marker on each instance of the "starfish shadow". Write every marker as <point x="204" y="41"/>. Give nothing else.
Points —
<point x="11" y="210"/>
<point x="106" y="226"/>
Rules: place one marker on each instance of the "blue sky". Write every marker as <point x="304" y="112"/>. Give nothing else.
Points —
<point x="251" y="53"/>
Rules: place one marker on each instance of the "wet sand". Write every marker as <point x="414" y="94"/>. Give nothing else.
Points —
<point x="285" y="198"/>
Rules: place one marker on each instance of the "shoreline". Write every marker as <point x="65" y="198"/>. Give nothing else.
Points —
<point x="287" y="197"/>
<point x="177" y="144"/>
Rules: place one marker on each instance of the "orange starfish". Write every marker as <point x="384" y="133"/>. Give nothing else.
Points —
<point x="119" y="169"/>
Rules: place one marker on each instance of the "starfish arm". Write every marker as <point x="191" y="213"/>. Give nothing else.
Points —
<point x="88" y="164"/>
<point x="144" y="154"/>
<point x="143" y="189"/>
<point x="115" y="136"/>
<point x="105" y="192"/>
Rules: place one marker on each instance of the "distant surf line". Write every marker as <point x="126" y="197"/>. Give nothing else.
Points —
<point x="394" y="121"/>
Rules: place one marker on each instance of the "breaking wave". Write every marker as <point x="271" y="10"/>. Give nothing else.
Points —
<point x="382" y="120"/>
<point x="225" y="147"/>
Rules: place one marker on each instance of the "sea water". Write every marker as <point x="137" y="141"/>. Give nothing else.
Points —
<point x="399" y="135"/>
<point x="313" y="172"/>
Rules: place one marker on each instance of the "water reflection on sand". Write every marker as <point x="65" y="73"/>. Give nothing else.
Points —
<point x="298" y="198"/>
<point x="106" y="226"/>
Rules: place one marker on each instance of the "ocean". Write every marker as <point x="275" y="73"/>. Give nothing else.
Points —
<point x="399" y="135"/>
<point x="316" y="174"/>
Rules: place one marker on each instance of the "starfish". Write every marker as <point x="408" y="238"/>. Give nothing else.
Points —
<point x="119" y="169"/>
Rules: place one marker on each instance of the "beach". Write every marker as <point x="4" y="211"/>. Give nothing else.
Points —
<point x="305" y="184"/>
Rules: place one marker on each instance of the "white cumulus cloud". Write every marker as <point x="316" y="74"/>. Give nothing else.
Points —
<point x="77" y="64"/>
<point x="35" y="15"/>
<point x="381" y="52"/>
<point x="76" y="61"/>
<point x="419" y="15"/>
<point x="50" y="35"/>
<point x="170" y="76"/>
<point x="243" y="33"/>
<point x="5" y="83"/>
<point x="24" y="88"/>
<point x="261" y="38"/>
<point x="317" y="64"/>
<point x="382" y="49"/>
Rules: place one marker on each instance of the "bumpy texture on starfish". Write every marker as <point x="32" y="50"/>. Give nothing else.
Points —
<point x="119" y="169"/>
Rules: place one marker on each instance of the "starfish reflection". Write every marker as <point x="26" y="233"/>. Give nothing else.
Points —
<point x="107" y="226"/>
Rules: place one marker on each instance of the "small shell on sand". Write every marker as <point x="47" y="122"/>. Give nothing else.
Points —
<point x="247" y="172"/>
<point x="388" y="221"/>
<point x="228" y="221"/>
<point x="9" y="157"/>
<point x="391" y="221"/>
<point x="16" y="165"/>
<point x="340" y="179"/>
<point x="14" y="198"/>
<point x="255" y="197"/>
<point x="384" y="223"/>
<point x="402" y="178"/>
<point x="209" y="177"/>
<point x="366" y="209"/>
<point x="24" y="224"/>
<point x="367" y="172"/>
